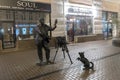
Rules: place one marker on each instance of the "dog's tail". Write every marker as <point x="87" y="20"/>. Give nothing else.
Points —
<point x="92" y="65"/>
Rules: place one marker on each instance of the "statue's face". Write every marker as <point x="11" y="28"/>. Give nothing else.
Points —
<point x="42" y="21"/>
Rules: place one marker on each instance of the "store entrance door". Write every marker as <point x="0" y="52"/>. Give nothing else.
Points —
<point x="110" y="30"/>
<point x="8" y="40"/>
<point x="107" y="30"/>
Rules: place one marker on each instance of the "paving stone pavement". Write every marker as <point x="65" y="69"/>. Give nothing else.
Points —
<point x="22" y="65"/>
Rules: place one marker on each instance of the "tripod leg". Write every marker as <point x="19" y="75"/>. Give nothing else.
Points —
<point x="69" y="55"/>
<point x="55" y="54"/>
<point x="63" y="52"/>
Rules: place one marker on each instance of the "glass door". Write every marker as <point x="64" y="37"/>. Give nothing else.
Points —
<point x="8" y="35"/>
<point x="110" y="30"/>
<point x="107" y="30"/>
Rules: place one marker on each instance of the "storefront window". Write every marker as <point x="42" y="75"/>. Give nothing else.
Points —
<point x="79" y="25"/>
<point x="23" y="16"/>
<point x="79" y="22"/>
<point x="25" y="26"/>
<point x="108" y="25"/>
<point x="25" y="31"/>
<point x="9" y="15"/>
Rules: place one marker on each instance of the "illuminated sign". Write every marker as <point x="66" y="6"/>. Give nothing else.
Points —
<point x="80" y="11"/>
<point x="26" y="25"/>
<point x="26" y="5"/>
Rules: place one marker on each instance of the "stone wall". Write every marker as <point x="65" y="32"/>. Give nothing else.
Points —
<point x="110" y="6"/>
<point x="97" y="16"/>
<point x="43" y="1"/>
<point x="57" y="12"/>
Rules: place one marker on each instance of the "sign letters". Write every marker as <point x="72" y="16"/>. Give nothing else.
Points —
<point x="26" y="4"/>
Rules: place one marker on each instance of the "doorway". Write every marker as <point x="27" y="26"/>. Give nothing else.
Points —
<point x="8" y="38"/>
<point x="107" y="30"/>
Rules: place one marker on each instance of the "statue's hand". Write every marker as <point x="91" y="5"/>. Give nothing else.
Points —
<point x="56" y="21"/>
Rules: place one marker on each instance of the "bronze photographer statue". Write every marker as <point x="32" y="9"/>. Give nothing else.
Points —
<point x="42" y="39"/>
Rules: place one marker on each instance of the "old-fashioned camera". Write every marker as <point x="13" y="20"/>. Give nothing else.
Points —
<point x="60" y="41"/>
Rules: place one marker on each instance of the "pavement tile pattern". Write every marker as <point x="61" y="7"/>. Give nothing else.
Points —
<point x="22" y="65"/>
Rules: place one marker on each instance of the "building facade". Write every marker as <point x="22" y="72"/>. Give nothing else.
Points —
<point x="78" y="20"/>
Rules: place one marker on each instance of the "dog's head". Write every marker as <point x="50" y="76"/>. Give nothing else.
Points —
<point x="81" y="54"/>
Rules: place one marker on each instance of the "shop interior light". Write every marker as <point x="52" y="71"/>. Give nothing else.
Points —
<point x="94" y="13"/>
<point x="2" y="30"/>
<point x="72" y="20"/>
<point x="8" y="29"/>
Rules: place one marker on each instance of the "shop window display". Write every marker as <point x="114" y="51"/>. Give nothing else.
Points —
<point x="25" y="31"/>
<point x="81" y="26"/>
<point x="26" y="26"/>
<point x="22" y="22"/>
<point x="79" y="22"/>
<point x="78" y="26"/>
